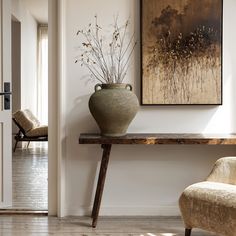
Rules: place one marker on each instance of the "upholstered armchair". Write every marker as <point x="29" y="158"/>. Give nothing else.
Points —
<point x="211" y="205"/>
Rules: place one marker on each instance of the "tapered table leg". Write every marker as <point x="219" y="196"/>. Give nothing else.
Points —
<point x="188" y="232"/>
<point x="101" y="181"/>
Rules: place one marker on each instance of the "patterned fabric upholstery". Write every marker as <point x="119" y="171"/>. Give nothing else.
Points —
<point x="30" y="124"/>
<point x="224" y="171"/>
<point x="211" y="205"/>
<point x="26" y="120"/>
<point x="38" y="132"/>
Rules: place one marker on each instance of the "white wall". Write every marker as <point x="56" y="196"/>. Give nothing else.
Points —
<point x="143" y="180"/>
<point x="28" y="55"/>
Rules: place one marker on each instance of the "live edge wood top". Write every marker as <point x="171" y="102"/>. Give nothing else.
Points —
<point x="155" y="138"/>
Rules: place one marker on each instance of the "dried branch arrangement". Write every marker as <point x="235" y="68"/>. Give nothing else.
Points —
<point x="107" y="60"/>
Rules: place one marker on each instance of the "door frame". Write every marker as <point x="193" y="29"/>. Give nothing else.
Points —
<point x="56" y="106"/>
<point x="5" y="73"/>
<point x="56" y="99"/>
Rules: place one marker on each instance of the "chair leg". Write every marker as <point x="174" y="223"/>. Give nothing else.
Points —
<point x="15" y="146"/>
<point x="28" y="144"/>
<point x="188" y="232"/>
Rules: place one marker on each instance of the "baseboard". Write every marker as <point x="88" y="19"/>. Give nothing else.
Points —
<point x="126" y="211"/>
<point x="23" y="212"/>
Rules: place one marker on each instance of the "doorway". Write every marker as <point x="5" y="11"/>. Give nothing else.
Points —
<point x="55" y="166"/>
<point x="29" y="91"/>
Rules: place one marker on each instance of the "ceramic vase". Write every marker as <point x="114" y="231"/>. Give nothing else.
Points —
<point x="113" y="106"/>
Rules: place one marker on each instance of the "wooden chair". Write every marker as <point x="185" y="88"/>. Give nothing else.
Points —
<point x="30" y="129"/>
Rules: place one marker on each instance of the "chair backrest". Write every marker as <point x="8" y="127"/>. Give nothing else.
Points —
<point x="224" y="171"/>
<point x="25" y="120"/>
<point x="20" y="128"/>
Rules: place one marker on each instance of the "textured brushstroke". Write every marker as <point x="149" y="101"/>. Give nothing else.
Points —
<point x="182" y="60"/>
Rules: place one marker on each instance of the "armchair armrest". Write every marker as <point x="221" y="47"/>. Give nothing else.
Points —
<point x="224" y="171"/>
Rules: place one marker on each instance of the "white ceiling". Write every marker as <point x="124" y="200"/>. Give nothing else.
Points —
<point x="38" y="9"/>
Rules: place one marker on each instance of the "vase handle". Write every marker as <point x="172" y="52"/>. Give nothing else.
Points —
<point x="97" y="87"/>
<point x="129" y="87"/>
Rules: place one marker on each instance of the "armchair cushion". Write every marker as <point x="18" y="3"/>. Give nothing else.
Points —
<point x="211" y="205"/>
<point x="26" y="120"/>
<point x="38" y="132"/>
<point x="224" y="171"/>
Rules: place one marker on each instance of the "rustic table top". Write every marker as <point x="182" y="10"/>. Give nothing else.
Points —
<point x="162" y="138"/>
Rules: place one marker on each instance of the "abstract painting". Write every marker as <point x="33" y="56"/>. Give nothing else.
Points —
<point x="181" y="52"/>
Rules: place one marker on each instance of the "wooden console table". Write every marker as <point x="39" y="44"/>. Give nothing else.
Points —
<point x="146" y="139"/>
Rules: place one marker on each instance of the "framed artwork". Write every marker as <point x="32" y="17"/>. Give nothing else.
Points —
<point x="181" y="52"/>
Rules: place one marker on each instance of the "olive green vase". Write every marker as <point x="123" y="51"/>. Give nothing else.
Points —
<point x="113" y="106"/>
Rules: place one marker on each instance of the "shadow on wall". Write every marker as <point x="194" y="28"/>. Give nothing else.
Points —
<point x="158" y="166"/>
<point x="173" y="120"/>
<point x="80" y="120"/>
<point x="85" y="121"/>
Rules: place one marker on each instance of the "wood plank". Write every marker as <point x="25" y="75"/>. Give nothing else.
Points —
<point x="152" y="139"/>
<point x="22" y="225"/>
<point x="22" y="212"/>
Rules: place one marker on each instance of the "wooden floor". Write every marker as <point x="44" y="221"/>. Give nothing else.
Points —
<point x="109" y="226"/>
<point x="30" y="179"/>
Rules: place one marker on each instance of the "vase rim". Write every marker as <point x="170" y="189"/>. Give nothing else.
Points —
<point x="114" y="85"/>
